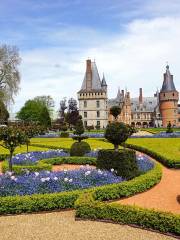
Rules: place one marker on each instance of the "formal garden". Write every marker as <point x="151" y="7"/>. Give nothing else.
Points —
<point x="41" y="171"/>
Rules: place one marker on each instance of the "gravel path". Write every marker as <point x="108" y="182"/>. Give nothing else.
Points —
<point x="163" y="196"/>
<point x="62" y="226"/>
<point x="67" y="167"/>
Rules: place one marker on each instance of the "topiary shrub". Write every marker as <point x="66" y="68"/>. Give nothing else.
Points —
<point x="122" y="162"/>
<point x="80" y="148"/>
<point x="169" y="128"/>
<point x="64" y="134"/>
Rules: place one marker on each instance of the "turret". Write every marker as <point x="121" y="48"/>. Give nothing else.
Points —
<point x="168" y="100"/>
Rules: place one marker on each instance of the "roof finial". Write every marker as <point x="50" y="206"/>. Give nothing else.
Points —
<point x="167" y="65"/>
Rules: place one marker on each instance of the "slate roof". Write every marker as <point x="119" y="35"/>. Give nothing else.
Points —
<point x="149" y="104"/>
<point x="168" y="84"/>
<point x="96" y="81"/>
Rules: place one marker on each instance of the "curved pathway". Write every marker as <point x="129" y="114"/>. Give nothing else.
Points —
<point x="163" y="196"/>
<point x="62" y="225"/>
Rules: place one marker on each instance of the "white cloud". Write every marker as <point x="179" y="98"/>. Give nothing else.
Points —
<point x="133" y="59"/>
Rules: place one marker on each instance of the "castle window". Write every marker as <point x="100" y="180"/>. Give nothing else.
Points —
<point x="98" y="114"/>
<point x="85" y="114"/>
<point x="97" y="104"/>
<point x="98" y="123"/>
<point x="85" y="104"/>
<point x="164" y="94"/>
<point x="85" y="123"/>
<point x="173" y="94"/>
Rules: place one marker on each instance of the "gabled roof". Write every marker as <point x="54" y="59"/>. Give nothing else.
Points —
<point x="168" y="84"/>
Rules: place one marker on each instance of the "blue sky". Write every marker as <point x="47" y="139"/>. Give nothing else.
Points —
<point x="131" y="41"/>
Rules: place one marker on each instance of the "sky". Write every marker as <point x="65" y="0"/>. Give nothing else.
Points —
<point x="130" y="40"/>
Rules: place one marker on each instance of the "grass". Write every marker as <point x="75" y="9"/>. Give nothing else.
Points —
<point x="67" y="142"/>
<point x="167" y="147"/>
<point x="22" y="149"/>
<point x="158" y="130"/>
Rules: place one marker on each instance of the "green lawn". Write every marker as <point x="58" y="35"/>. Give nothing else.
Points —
<point x="67" y="142"/>
<point x="158" y="130"/>
<point x="22" y="149"/>
<point x="167" y="147"/>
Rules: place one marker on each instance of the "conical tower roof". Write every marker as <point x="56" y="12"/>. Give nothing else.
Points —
<point x="92" y="81"/>
<point x="168" y="83"/>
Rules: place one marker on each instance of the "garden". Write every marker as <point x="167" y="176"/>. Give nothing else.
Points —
<point x="30" y="182"/>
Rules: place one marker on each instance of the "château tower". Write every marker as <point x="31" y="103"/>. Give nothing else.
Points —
<point x="93" y="97"/>
<point x="168" y="100"/>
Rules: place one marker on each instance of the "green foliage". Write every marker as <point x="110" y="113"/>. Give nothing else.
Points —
<point x="79" y="148"/>
<point x="79" y="130"/>
<point x="171" y="163"/>
<point x="123" y="162"/>
<point x="11" y="138"/>
<point x="117" y="133"/>
<point x="38" y="202"/>
<point x="19" y="169"/>
<point x="169" y="128"/>
<point x="4" y="114"/>
<point x="70" y="160"/>
<point x="35" y="111"/>
<point x="64" y="134"/>
<point x="89" y="128"/>
<point x="87" y="208"/>
<point x="115" y="111"/>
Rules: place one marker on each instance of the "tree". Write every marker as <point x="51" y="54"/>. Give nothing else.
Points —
<point x="36" y="112"/>
<point x="9" y="73"/>
<point x="4" y="114"/>
<point x="117" y="133"/>
<point x="115" y="111"/>
<point x="62" y="109"/>
<point x="46" y="101"/>
<point x="11" y="138"/>
<point x="79" y="130"/>
<point x="72" y="115"/>
<point x="169" y="128"/>
<point x="29" y="132"/>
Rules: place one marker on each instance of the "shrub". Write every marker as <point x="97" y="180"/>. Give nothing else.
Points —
<point x="71" y="160"/>
<point x="117" y="133"/>
<point x="64" y="134"/>
<point x="115" y="111"/>
<point x="169" y="128"/>
<point x="123" y="162"/>
<point x="79" y="149"/>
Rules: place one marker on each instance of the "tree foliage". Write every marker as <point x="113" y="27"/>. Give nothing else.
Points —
<point x="36" y="112"/>
<point x="4" y="114"/>
<point x="72" y="115"/>
<point x="79" y="130"/>
<point x="11" y="138"/>
<point x="9" y="73"/>
<point x="117" y="133"/>
<point x="115" y="111"/>
<point x="47" y="101"/>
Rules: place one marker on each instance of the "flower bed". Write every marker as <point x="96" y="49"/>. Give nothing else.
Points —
<point x="33" y="157"/>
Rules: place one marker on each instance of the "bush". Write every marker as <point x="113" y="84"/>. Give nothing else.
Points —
<point x="79" y="149"/>
<point x="19" y="169"/>
<point x="64" y="134"/>
<point x="117" y="133"/>
<point x="123" y="162"/>
<point x="87" y="208"/>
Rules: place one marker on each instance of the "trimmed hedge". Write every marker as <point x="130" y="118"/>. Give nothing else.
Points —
<point x="80" y="148"/>
<point x="165" y="222"/>
<point x="64" y="134"/>
<point x="70" y="160"/>
<point x="129" y="188"/>
<point x="123" y="161"/>
<point x="19" y="169"/>
<point x="38" y="202"/>
<point x="171" y="163"/>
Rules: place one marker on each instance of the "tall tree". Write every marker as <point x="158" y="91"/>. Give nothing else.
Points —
<point x="48" y="101"/>
<point x="4" y="114"/>
<point x="9" y="73"/>
<point x="62" y="109"/>
<point x="72" y="115"/>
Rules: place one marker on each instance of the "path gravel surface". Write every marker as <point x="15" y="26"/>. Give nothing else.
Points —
<point x="62" y="226"/>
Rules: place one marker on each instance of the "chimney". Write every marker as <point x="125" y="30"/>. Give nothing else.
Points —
<point x="140" y="96"/>
<point x="88" y="75"/>
<point x="122" y="92"/>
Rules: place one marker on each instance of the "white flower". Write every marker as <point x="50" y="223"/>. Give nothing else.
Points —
<point x="87" y="173"/>
<point x="112" y="169"/>
<point x="47" y="172"/>
<point x="81" y="167"/>
<point x="66" y="179"/>
<point x="13" y="178"/>
<point x="48" y="178"/>
<point x="36" y="174"/>
<point x="9" y="173"/>
<point x="99" y="171"/>
<point x="43" y="179"/>
<point x="65" y="170"/>
<point x="55" y="178"/>
<point x="70" y="180"/>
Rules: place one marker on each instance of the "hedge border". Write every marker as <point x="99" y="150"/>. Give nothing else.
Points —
<point x="170" y="163"/>
<point x="164" y="222"/>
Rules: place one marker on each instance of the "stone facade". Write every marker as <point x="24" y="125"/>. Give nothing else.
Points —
<point x="159" y="110"/>
<point x="93" y="98"/>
